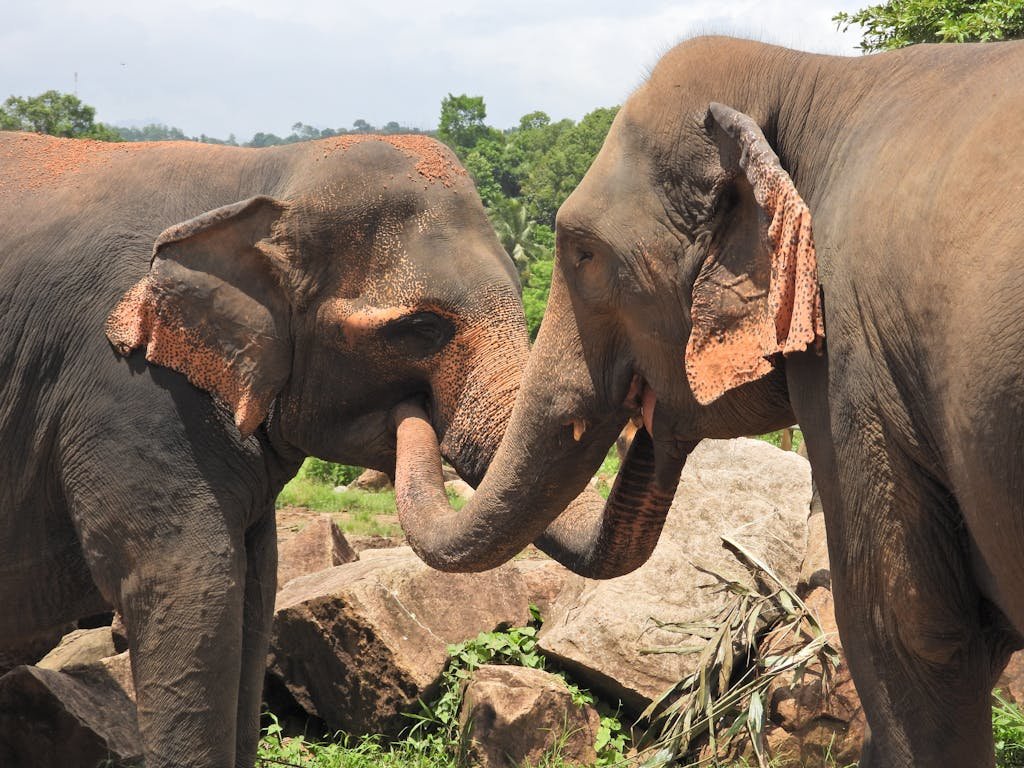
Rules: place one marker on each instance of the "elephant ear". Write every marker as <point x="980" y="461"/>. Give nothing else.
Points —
<point x="214" y="308"/>
<point x="757" y="293"/>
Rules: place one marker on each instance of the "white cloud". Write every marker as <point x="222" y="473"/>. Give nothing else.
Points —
<point x="223" y="66"/>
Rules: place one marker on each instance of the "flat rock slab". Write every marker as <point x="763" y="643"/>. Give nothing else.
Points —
<point x="76" y="718"/>
<point x="82" y="646"/>
<point x="358" y="644"/>
<point x="747" y="489"/>
<point x="515" y="716"/>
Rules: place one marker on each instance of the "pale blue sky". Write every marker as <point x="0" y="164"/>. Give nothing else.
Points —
<point x="241" y="66"/>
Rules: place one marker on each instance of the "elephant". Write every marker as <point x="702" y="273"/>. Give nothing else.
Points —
<point x="180" y="326"/>
<point x="771" y="237"/>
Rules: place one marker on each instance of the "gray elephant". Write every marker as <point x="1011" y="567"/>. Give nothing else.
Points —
<point x="180" y="325"/>
<point x="689" y="286"/>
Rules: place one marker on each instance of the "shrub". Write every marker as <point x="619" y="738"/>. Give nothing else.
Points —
<point x="329" y="473"/>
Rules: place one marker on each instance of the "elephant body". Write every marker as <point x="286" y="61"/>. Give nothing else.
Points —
<point x="308" y="288"/>
<point x="770" y="236"/>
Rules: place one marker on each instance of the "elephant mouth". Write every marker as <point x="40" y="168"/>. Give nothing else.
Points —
<point x="641" y="400"/>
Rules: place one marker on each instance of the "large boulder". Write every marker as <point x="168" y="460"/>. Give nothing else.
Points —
<point x="357" y="645"/>
<point x="316" y="546"/>
<point x="372" y="480"/>
<point x="82" y="646"/>
<point x="80" y="717"/>
<point x="515" y="716"/>
<point x="746" y="489"/>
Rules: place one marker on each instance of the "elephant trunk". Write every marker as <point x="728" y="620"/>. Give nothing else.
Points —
<point x="594" y="538"/>
<point x="603" y="540"/>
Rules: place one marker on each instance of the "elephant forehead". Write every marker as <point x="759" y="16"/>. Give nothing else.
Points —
<point x="434" y="162"/>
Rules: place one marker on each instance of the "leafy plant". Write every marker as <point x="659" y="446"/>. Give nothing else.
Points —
<point x="328" y="473"/>
<point x="723" y="699"/>
<point x="437" y="726"/>
<point x="1008" y="732"/>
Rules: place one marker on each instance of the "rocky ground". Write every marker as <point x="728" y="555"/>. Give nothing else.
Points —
<point x="362" y="626"/>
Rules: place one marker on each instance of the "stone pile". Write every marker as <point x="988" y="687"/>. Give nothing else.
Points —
<point x="360" y="638"/>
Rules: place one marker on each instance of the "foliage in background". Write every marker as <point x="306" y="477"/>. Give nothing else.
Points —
<point x="329" y="472"/>
<point x="56" y="114"/>
<point x="898" y="23"/>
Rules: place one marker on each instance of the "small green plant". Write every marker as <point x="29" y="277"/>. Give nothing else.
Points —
<point x="723" y="699"/>
<point x="1008" y="732"/>
<point x="437" y="725"/>
<point x="329" y="473"/>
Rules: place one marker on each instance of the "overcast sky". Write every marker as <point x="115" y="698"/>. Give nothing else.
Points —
<point x="240" y="66"/>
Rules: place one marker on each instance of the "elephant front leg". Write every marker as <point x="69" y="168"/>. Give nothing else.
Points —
<point x="260" y="589"/>
<point x="183" y="608"/>
<point x="910" y="615"/>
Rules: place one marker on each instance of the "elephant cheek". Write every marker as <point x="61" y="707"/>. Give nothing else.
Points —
<point x="474" y="393"/>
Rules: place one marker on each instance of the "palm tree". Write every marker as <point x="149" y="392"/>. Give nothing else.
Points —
<point x="515" y="232"/>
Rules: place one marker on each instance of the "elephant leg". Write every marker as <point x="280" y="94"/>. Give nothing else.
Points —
<point x="260" y="589"/>
<point x="183" y="608"/>
<point x="910" y="614"/>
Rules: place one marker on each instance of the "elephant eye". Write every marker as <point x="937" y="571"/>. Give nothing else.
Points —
<point x="582" y="257"/>
<point x="418" y="335"/>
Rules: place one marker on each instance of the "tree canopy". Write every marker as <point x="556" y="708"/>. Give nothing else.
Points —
<point x="899" y="23"/>
<point x="54" y="113"/>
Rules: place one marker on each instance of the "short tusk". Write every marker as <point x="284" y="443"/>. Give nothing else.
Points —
<point x="579" y="426"/>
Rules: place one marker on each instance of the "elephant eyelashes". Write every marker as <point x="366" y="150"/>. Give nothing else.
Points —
<point x="420" y="334"/>
<point x="582" y="257"/>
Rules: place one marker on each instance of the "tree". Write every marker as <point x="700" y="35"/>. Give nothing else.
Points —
<point x="151" y="132"/>
<point x="557" y="172"/>
<point x="54" y="113"/>
<point x="898" y="23"/>
<point x="516" y="235"/>
<point x="462" y="122"/>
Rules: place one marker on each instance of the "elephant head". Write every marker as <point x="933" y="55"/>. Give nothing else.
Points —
<point x="373" y="276"/>
<point x="685" y="272"/>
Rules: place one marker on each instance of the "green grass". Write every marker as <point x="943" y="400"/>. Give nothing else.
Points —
<point x="363" y="513"/>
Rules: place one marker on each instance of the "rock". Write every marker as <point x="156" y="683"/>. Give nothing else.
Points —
<point x="514" y="716"/>
<point x="83" y="646"/>
<point x="1011" y="682"/>
<point x="371" y="480"/>
<point x="373" y="541"/>
<point x="79" y="717"/>
<point x="817" y="716"/>
<point x="748" y="489"/>
<point x="319" y="545"/>
<point x="30" y="649"/>
<point x="340" y="488"/>
<point x="119" y="632"/>
<point x="460" y="488"/>
<point x="358" y="644"/>
<point x="545" y="580"/>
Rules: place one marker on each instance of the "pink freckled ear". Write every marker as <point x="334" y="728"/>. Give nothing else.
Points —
<point x="757" y="294"/>
<point x="212" y="309"/>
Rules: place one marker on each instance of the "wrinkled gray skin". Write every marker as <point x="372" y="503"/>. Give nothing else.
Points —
<point x="333" y="280"/>
<point x="910" y="163"/>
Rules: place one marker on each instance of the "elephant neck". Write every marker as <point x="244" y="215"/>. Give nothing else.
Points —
<point x="815" y="117"/>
